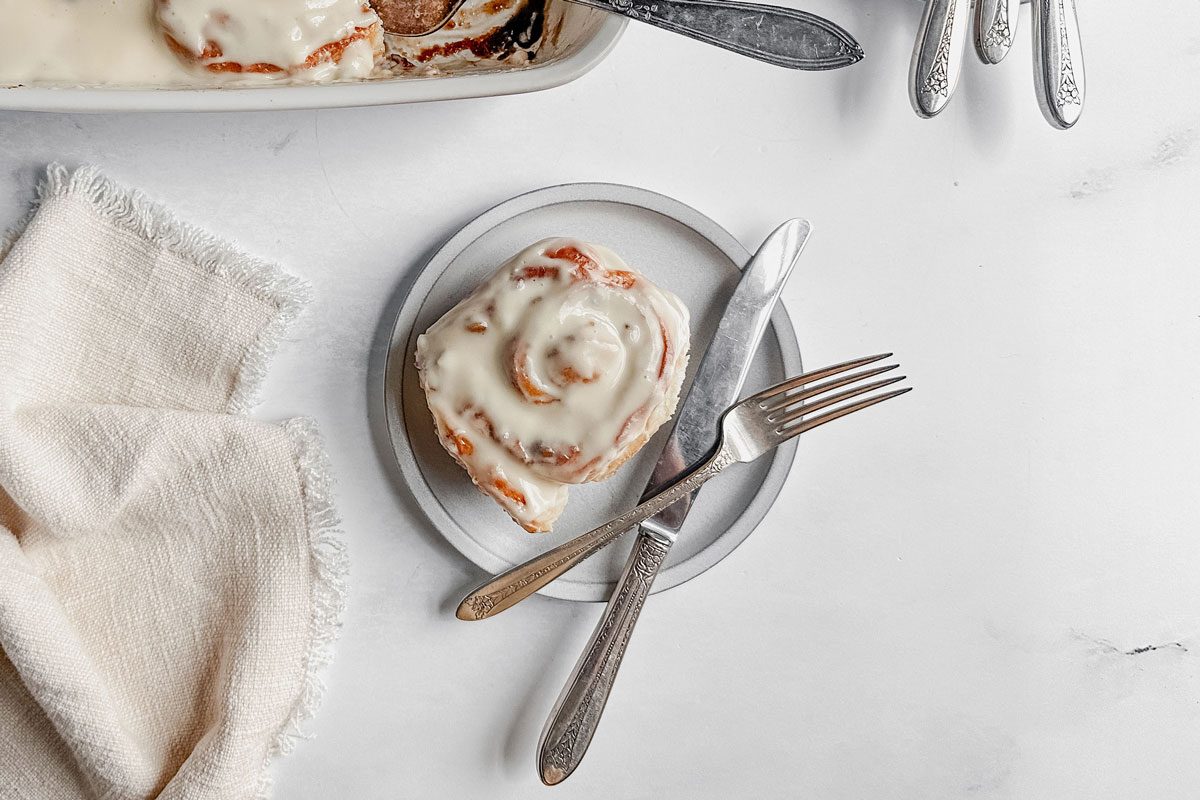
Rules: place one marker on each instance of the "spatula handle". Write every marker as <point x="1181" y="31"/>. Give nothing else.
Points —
<point x="784" y="37"/>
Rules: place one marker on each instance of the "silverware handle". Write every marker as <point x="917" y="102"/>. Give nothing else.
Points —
<point x="995" y="27"/>
<point x="575" y="717"/>
<point x="781" y="36"/>
<point x="938" y="55"/>
<point x="511" y="587"/>
<point x="1058" y="62"/>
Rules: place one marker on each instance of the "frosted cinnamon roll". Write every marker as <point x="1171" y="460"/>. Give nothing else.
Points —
<point x="312" y="39"/>
<point x="554" y="371"/>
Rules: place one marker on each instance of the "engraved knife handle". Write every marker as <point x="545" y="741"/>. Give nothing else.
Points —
<point x="938" y="55"/>
<point x="995" y="27"/>
<point x="575" y="717"/>
<point x="511" y="587"/>
<point x="784" y="37"/>
<point x="1058" y="62"/>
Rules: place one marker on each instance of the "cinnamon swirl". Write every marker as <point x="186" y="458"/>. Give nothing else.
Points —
<point x="555" y="371"/>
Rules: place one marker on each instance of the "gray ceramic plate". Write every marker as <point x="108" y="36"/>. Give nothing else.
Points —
<point x="678" y="248"/>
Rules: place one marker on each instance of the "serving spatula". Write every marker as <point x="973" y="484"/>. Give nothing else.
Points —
<point x="782" y="36"/>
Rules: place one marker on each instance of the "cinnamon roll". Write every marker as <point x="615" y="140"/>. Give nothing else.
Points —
<point x="555" y="371"/>
<point x="305" y="38"/>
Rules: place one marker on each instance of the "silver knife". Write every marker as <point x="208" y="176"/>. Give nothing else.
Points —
<point x="718" y="384"/>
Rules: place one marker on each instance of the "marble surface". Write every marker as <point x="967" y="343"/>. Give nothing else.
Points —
<point x="987" y="589"/>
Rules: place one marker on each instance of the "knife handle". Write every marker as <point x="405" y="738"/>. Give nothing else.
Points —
<point x="1058" y="62"/>
<point x="938" y="56"/>
<point x="509" y="588"/>
<point x="781" y="36"/>
<point x="995" y="28"/>
<point x="577" y="713"/>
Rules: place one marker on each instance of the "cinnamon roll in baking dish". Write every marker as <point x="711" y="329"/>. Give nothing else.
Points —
<point x="554" y="371"/>
<point x="304" y="38"/>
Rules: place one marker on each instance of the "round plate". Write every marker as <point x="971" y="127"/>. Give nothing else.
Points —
<point x="678" y="248"/>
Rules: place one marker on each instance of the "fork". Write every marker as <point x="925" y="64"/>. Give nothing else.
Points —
<point x="749" y="429"/>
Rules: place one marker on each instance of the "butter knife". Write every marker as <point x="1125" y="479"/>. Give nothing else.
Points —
<point x="717" y="386"/>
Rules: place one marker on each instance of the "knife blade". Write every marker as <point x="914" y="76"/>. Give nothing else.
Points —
<point x="717" y="385"/>
<point x="722" y="373"/>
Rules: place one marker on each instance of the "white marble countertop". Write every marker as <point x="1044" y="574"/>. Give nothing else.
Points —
<point x="987" y="589"/>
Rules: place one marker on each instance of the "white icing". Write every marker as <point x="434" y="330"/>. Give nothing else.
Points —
<point x="281" y="33"/>
<point x="85" y="42"/>
<point x="553" y="373"/>
<point x="121" y="42"/>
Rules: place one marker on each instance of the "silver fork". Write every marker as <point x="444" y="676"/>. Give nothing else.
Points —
<point x="749" y="429"/>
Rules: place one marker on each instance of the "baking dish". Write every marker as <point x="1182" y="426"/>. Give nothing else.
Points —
<point x="577" y="39"/>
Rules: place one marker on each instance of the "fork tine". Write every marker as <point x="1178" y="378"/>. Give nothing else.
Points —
<point x="799" y="410"/>
<point x="821" y="388"/>
<point x="816" y="375"/>
<point x="829" y="416"/>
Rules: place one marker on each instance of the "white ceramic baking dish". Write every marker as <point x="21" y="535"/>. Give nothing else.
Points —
<point x="577" y="39"/>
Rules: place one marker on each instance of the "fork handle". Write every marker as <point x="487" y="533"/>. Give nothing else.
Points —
<point x="575" y="717"/>
<point x="938" y="56"/>
<point x="511" y="587"/>
<point x="1058" y="62"/>
<point x="995" y="28"/>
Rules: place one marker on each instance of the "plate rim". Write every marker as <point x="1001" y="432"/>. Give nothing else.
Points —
<point x="404" y="334"/>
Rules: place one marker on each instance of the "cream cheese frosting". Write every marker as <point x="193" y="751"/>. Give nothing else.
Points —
<point x="338" y="38"/>
<point x="124" y="43"/>
<point x="85" y="42"/>
<point x="554" y="371"/>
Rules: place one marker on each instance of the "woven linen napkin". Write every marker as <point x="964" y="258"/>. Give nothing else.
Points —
<point x="169" y="573"/>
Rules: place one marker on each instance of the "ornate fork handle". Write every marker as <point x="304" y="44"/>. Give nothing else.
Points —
<point x="938" y="56"/>
<point x="511" y="587"/>
<point x="995" y="28"/>
<point x="1059" y="59"/>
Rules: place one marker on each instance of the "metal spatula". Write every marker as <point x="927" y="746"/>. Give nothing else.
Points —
<point x="781" y="36"/>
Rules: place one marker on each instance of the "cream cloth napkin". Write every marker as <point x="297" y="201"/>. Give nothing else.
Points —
<point x="170" y="579"/>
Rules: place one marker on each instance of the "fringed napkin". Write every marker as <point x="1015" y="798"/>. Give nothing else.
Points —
<point x="169" y="575"/>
